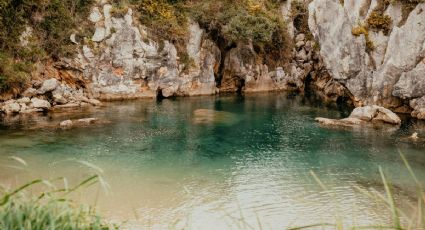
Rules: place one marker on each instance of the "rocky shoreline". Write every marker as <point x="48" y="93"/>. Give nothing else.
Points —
<point x="123" y="61"/>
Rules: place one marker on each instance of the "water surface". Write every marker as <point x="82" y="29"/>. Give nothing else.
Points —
<point x="206" y="162"/>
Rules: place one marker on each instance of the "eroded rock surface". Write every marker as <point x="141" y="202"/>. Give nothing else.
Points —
<point x="389" y="75"/>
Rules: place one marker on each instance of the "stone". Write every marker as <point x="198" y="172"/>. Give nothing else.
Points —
<point x="387" y="76"/>
<point x="73" y="39"/>
<point x="24" y="100"/>
<point x="59" y="99"/>
<point x="300" y="37"/>
<point x="40" y="104"/>
<point x="95" y="15"/>
<point x="366" y="115"/>
<point x="94" y="102"/>
<point x="99" y="34"/>
<point x="411" y="84"/>
<point x="30" y="92"/>
<point x="12" y="107"/>
<point x="87" y="121"/>
<point x="66" y="124"/>
<point x="300" y="44"/>
<point x="68" y="105"/>
<point x="48" y="86"/>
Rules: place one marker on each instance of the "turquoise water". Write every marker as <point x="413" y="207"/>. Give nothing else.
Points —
<point x="205" y="162"/>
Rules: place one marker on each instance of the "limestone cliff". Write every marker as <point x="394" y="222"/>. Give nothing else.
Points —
<point x="382" y="67"/>
<point x="334" y="53"/>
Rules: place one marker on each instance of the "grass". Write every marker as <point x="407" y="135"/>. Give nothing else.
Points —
<point x="51" y="209"/>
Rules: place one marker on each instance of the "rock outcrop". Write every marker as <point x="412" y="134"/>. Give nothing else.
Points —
<point x="380" y="68"/>
<point x="366" y="115"/>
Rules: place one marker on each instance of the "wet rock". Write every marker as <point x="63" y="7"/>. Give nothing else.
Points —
<point x="66" y="124"/>
<point x="68" y="105"/>
<point x="40" y="104"/>
<point x="87" y="120"/>
<point x="94" y="102"/>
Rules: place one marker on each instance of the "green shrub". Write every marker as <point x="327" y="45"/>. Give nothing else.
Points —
<point x="13" y="74"/>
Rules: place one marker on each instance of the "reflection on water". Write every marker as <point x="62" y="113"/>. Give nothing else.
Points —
<point x="205" y="162"/>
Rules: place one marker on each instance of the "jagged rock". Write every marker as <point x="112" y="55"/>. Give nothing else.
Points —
<point x="418" y="106"/>
<point x="383" y="76"/>
<point x="48" y="86"/>
<point x="40" y="104"/>
<point x="411" y="84"/>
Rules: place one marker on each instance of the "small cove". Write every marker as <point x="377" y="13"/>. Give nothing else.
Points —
<point x="204" y="162"/>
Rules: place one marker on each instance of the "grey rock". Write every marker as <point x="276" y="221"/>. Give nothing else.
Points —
<point x="411" y="84"/>
<point x="40" y="104"/>
<point x="95" y="15"/>
<point x="24" y="100"/>
<point x="48" y="86"/>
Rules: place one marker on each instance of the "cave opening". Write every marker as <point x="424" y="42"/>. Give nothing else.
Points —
<point x="240" y="85"/>
<point x="159" y="95"/>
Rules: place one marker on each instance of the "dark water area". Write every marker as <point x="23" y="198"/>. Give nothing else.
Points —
<point x="204" y="162"/>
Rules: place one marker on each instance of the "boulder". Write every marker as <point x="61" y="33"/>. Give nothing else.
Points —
<point x="66" y="124"/>
<point x="364" y="116"/>
<point x="11" y="107"/>
<point x="48" y="86"/>
<point x="24" y="100"/>
<point x="40" y="104"/>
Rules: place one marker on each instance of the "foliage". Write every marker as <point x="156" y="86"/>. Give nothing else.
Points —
<point x="51" y="22"/>
<point x="13" y="74"/>
<point x="379" y="22"/>
<point x="52" y="209"/>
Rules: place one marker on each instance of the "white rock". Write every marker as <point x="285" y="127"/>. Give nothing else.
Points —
<point x="24" y="100"/>
<point x="40" y="104"/>
<point x="48" y="86"/>
<point x="11" y="108"/>
<point x="95" y="15"/>
<point x="99" y="34"/>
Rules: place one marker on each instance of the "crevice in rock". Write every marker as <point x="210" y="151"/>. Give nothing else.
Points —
<point x="159" y="95"/>
<point x="240" y="84"/>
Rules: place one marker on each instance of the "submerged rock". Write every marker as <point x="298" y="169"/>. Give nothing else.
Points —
<point x="364" y="116"/>
<point x="209" y="116"/>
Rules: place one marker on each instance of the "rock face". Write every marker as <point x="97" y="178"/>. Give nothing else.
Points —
<point x="392" y="73"/>
<point x="364" y="116"/>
